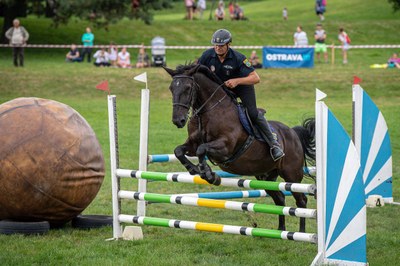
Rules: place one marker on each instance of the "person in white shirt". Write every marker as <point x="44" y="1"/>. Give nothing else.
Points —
<point x="113" y="54"/>
<point x="220" y="12"/>
<point x="300" y="37"/>
<point x="124" y="59"/>
<point x="201" y="6"/>
<point x="18" y="37"/>
<point x="102" y="59"/>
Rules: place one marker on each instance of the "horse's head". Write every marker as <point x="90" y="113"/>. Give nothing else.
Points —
<point x="183" y="89"/>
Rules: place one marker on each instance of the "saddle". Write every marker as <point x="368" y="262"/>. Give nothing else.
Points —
<point x="250" y="128"/>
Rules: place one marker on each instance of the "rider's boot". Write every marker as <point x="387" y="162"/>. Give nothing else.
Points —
<point x="275" y="149"/>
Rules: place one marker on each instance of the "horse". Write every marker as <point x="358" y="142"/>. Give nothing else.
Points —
<point x="215" y="133"/>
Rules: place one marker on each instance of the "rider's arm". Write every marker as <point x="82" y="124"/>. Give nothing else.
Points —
<point x="251" y="79"/>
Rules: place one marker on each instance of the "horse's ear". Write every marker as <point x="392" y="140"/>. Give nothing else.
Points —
<point x="194" y="69"/>
<point x="169" y="71"/>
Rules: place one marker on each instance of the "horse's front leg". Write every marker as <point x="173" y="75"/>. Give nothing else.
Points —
<point x="180" y="153"/>
<point x="205" y="170"/>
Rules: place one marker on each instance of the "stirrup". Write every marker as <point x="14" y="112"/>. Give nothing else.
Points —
<point x="278" y="156"/>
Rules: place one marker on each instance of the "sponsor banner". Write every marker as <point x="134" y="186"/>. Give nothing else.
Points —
<point x="288" y="57"/>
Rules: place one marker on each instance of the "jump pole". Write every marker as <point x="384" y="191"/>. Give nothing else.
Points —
<point x="231" y="182"/>
<point x="219" y="228"/>
<point x="219" y="204"/>
<point x="168" y="158"/>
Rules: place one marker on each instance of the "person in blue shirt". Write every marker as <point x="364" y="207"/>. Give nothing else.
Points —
<point x="237" y="73"/>
<point x="87" y="40"/>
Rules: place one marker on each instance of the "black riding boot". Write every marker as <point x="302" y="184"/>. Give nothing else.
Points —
<point x="276" y="150"/>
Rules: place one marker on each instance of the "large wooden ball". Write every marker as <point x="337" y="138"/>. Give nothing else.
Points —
<point x="51" y="163"/>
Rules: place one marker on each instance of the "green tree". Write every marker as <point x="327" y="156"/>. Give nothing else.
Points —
<point x="395" y="4"/>
<point x="100" y="12"/>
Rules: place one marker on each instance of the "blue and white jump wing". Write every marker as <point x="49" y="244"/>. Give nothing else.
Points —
<point x="371" y="137"/>
<point x="341" y="202"/>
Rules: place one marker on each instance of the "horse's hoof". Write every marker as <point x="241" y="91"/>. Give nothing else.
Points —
<point x="211" y="178"/>
<point x="217" y="180"/>
<point x="194" y="171"/>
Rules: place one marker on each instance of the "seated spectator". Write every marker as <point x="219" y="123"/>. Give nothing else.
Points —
<point x="143" y="59"/>
<point x="238" y="12"/>
<point x="73" y="55"/>
<point x="220" y="12"/>
<point x="254" y="60"/>
<point x="231" y="8"/>
<point x="124" y="59"/>
<point x="300" y="37"/>
<point x="113" y="54"/>
<point x="102" y="59"/>
<point x="394" y="61"/>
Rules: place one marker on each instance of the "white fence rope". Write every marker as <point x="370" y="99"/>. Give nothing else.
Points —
<point x="203" y="47"/>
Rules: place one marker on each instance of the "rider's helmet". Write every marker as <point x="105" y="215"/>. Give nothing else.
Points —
<point x="221" y="37"/>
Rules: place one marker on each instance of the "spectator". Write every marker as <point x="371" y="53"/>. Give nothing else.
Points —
<point x="300" y="37"/>
<point x="102" y="59"/>
<point x="113" y="54"/>
<point x="320" y="8"/>
<point x="393" y="61"/>
<point x="231" y="8"/>
<point x="18" y="37"/>
<point x="143" y="59"/>
<point x="201" y="6"/>
<point x="320" y="46"/>
<point x="189" y="9"/>
<point x="87" y="40"/>
<point x="238" y="12"/>
<point x="220" y="12"/>
<point x="124" y="59"/>
<point x="254" y="60"/>
<point x="285" y="13"/>
<point x="345" y="40"/>
<point x="73" y="55"/>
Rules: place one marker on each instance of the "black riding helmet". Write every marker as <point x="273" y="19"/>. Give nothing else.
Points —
<point x="221" y="37"/>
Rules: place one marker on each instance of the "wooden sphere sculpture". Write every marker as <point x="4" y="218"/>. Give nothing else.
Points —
<point x="51" y="163"/>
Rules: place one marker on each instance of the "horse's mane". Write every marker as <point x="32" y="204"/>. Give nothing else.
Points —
<point x="181" y="69"/>
<point x="200" y="68"/>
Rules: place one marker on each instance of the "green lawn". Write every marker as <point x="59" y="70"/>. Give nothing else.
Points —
<point x="288" y="94"/>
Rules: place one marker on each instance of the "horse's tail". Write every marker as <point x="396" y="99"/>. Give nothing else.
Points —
<point x="306" y="134"/>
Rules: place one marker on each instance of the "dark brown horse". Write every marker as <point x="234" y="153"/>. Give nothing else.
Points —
<point x="216" y="133"/>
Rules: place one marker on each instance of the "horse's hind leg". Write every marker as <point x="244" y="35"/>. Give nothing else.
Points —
<point x="301" y="202"/>
<point x="277" y="196"/>
<point x="301" y="199"/>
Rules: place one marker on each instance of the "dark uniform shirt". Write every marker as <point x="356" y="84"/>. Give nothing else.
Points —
<point x="235" y="64"/>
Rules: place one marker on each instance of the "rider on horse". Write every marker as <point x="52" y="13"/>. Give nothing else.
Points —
<point x="236" y="72"/>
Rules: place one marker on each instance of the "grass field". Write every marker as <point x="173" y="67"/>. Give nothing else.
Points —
<point x="287" y="94"/>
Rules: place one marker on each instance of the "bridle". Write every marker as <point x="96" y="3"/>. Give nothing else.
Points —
<point x="194" y="90"/>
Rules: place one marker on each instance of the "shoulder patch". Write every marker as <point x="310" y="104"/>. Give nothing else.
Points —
<point x="247" y="63"/>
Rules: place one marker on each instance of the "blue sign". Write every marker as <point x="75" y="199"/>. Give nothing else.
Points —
<point x="288" y="57"/>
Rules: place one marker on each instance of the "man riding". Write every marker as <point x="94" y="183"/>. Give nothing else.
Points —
<point x="238" y="75"/>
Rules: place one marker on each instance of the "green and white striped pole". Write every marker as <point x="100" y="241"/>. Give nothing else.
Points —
<point x="220" y="204"/>
<point x="219" y="228"/>
<point x="231" y="182"/>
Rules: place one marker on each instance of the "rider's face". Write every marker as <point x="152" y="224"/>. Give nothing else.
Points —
<point x="221" y="49"/>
